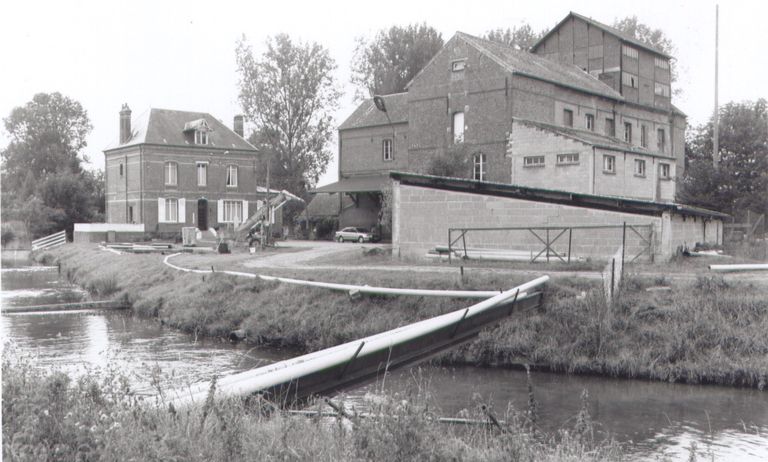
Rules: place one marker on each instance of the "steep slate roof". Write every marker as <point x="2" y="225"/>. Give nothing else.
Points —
<point x="611" y="30"/>
<point x="592" y="138"/>
<point x="166" y="127"/>
<point x="552" y="196"/>
<point x="540" y="68"/>
<point x="366" y="114"/>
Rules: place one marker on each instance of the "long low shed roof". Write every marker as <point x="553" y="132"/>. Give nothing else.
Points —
<point x="356" y="184"/>
<point x="610" y="203"/>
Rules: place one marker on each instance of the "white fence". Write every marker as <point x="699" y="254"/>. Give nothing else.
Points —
<point x="47" y="242"/>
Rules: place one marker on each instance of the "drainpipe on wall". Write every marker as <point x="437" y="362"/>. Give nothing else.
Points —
<point x="594" y="169"/>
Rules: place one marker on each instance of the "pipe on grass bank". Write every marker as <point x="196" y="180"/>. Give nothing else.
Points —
<point x="349" y="288"/>
<point x="739" y="267"/>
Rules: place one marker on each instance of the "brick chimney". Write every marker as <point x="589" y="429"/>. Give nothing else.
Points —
<point x="238" y="125"/>
<point x="125" y="124"/>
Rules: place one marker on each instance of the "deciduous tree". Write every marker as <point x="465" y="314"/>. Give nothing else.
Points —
<point x="43" y="182"/>
<point x="521" y="37"/>
<point x="740" y="182"/>
<point x="289" y="94"/>
<point x="385" y="64"/>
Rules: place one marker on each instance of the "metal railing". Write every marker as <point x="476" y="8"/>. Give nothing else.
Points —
<point x="50" y="241"/>
<point x="548" y="236"/>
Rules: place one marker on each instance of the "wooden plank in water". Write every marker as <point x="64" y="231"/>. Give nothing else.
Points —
<point x="100" y="305"/>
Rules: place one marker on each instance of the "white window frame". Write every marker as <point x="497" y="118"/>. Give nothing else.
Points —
<point x="609" y="163"/>
<point x="388" y="149"/>
<point x="628" y="132"/>
<point x="231" y="179"/>
<point x="480" y="164"/>
<point x="171" y="174"/>
<point x="643" y="136"/>
<point x="458" y="127"/>
<point x="171" y="210"/>
<point x="233" y="211"/>
<point x="589" y="122"/>
<point x="640" y="168"/>
<point x="661" y="63"/>
<point x="613" y="126"/>
<point x="568" y="158"/>
<point x="665" y="171"/>
<point x="201" y="137"/>
<point x="202" y="167"/>
<point x="533" y="161"/>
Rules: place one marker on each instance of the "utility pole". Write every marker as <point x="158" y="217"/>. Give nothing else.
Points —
<point x="715" y="120"/>
<point x="266" y="226"/>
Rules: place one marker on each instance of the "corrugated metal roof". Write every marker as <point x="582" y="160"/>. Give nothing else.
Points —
<point x="611" y="30"/>
<point x="166" y="127"/>
<point x="593" y="138"/>
<point x="552" y="196"/>
<point x="366" y="114"/>
<point x="538" y="67"/>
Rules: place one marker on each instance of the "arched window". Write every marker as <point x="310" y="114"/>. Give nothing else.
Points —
<point x="480" y="167"/>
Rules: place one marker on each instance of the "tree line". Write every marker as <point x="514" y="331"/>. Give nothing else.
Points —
<point x="289" y="94"/>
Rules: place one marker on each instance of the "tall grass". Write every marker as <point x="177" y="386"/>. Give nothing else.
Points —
<point x="50" y="416"/>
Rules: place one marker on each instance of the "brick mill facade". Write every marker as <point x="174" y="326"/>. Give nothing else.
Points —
<point x="171" y="169"/>
<point x="588" y="110"/>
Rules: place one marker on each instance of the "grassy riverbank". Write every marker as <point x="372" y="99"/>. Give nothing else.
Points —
<point x="703" y="331"/>
<point x="50" y="416"/>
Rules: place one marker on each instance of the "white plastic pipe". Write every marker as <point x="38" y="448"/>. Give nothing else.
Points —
<point x="246" y="383"/>
<point x="742" y="267"/>
<point x="369" y="290"/>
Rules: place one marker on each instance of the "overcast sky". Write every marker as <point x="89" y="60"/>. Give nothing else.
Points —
<point x="180" y="54"/>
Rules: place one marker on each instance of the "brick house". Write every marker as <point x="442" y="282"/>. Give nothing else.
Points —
<point x="171" y="169"/>
<point x="587" y="110"/>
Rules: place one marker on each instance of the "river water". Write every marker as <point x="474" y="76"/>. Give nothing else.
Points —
<point x="653" y="419"/>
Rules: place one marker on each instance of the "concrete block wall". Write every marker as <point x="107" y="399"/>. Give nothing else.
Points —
<point x="422" y="217"/>
<point x="528" y="141"/>
<point x="588" y="175"/>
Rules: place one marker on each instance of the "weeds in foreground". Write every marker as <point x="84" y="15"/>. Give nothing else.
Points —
<point x="50" y="416"/>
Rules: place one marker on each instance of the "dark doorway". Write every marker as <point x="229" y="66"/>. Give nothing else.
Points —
<point x="202" y="214"/>
<point x="130" y="214"/>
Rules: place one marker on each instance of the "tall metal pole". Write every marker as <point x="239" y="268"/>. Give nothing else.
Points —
<point x="266" y="228"/>
<point x="715" y="120"/>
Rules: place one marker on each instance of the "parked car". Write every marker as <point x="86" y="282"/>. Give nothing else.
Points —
<point x="353" y="234"/>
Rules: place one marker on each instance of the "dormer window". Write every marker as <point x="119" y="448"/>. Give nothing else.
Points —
<point x="197" y="131"/>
